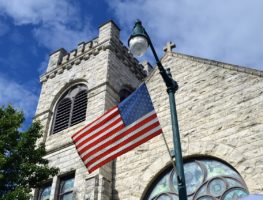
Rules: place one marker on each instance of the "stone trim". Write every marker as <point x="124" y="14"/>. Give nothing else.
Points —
<point x="60" y="49"/>
<point x="233" y="67"/>
<point x="86" y="50"/>
<point x="42" y="113"/>
<point x="110" y="21"/>
<point x="58" y="148"/>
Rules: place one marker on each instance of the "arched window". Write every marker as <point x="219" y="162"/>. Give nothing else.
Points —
<point x="71" y="108"/>
<point x="206" y="179"/>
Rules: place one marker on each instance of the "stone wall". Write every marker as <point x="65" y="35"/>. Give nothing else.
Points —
<point x="98" y="64"/>
<point x="219" y="111"/>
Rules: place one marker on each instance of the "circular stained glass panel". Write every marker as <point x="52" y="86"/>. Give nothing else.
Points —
<point x="234" y="194"/>
<point x="206" y="179"/>
<point x="217" y="186"/>
<point x="194" y="177"/>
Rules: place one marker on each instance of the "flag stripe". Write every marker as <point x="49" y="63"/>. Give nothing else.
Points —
<point x="98" y="128"/>
<point x="100" y="120"/>
<point x="120" y="136"/>
<point x="79" y="147"/>
<point x="86" y="148"/>
<point x="85" y="128"/>
<point x="118" y="144"/>
<point x="93" y="167"/>
<point x="91" y="136"/>
<point x="117" y="136"/>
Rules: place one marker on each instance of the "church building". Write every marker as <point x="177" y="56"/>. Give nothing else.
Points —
<point x="219" y="108"/>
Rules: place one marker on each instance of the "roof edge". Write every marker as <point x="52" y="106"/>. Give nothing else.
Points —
<point x="224" y="65"/>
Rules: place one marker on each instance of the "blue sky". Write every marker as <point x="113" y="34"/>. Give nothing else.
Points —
<point x="225" y="30"/>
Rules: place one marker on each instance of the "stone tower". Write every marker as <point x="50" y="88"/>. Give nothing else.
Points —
<point x="103" y="69"/>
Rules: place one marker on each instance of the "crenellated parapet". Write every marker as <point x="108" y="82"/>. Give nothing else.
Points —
<point x="108" y="39"/>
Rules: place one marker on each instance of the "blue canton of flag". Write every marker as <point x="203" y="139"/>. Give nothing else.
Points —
<point x="136" y="106"/>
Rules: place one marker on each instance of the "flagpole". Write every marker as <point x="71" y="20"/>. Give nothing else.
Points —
<point x="169" y="152"/>
<point x="141" y="39"/>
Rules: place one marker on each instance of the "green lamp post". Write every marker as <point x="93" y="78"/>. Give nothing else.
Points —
<point x="138" y="44"/>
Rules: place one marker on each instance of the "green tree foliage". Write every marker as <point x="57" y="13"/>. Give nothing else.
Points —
<point x="22" y="166"/>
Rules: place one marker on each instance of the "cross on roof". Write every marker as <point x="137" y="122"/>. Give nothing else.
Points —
<point x="168" y="47"/>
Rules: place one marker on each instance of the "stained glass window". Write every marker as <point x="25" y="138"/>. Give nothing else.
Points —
<point x="206" y="179"/>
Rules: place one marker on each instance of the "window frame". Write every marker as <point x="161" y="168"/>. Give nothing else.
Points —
<point x="41" y="189"/>
<point x="62" y="180"/>
<point x="68" y="95"/>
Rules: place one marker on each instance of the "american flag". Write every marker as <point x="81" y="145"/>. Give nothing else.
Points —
<point x="122" y="128"/>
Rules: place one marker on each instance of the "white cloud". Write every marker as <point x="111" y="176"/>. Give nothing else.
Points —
<point x="225" y="30"/>
<point x="56" y="23"/>
<point x="35" y="12"/>
<point x="18" y="96"/>
<point x="57" y="35"/>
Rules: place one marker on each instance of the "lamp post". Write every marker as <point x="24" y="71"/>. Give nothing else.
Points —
<point x="138" y="44"/>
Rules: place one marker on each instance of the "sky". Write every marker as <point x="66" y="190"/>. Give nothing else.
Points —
<point x="229" y="31"/>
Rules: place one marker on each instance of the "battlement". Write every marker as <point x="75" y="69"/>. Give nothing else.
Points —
<point x="108" y="38"/>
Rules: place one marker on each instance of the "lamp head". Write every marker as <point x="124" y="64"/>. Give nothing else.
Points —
<point x="138" y="41"/>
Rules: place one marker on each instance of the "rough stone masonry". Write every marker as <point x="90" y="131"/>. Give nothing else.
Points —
<point x="219" y="110"/>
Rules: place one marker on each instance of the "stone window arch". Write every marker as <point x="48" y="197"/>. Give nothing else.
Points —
<point x="206" y="179"/>
<point x="71" y="108"/>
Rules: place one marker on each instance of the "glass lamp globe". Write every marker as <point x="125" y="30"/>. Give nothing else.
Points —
<point x="138" y="45"/>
